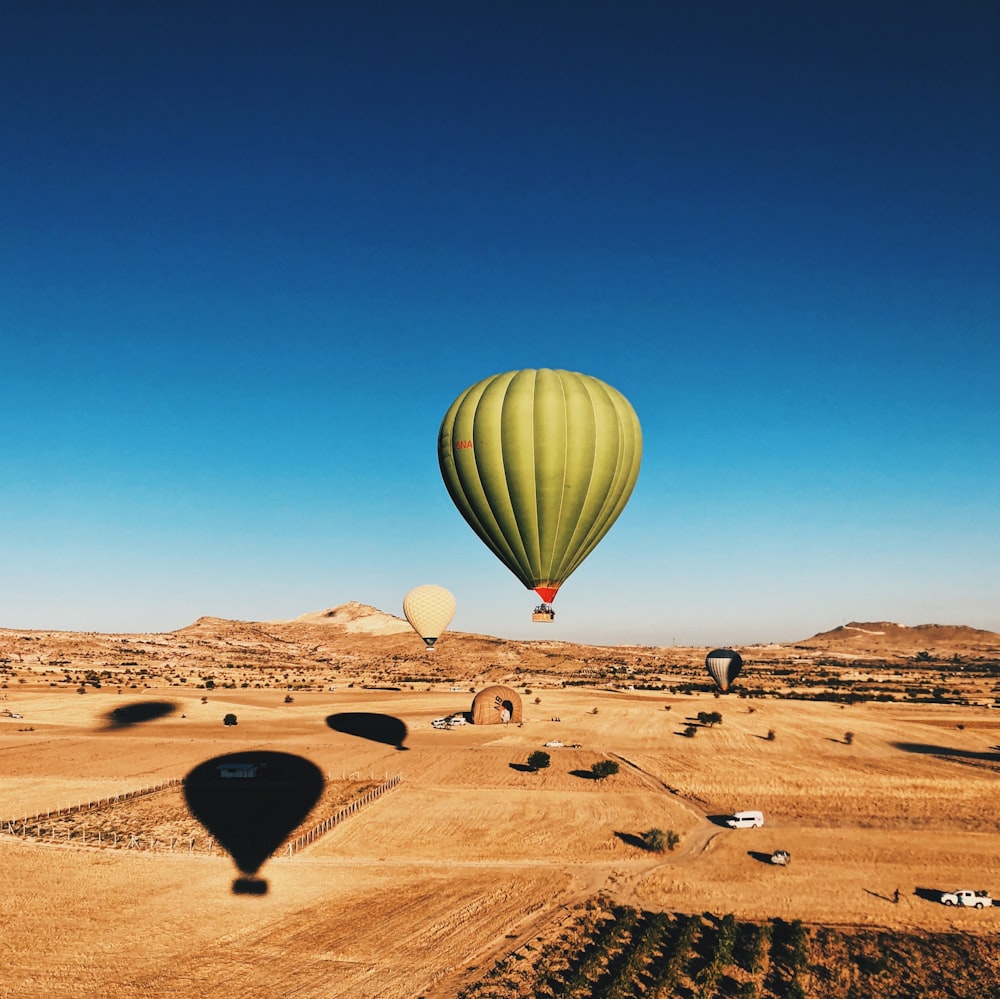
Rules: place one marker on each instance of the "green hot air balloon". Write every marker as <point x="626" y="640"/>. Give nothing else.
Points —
<point x="540" y="463"/>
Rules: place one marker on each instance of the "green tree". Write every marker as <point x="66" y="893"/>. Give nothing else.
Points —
<point x="654" y="839"/>
<point x="538" y="760"/>
<point x="604" y="768"/>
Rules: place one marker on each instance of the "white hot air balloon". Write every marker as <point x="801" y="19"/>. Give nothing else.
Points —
<point x="429" y="609"/>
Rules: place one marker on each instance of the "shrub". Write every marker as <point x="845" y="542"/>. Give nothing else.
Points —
<point x="848" y="737"/>
<point x="691" y="731"/>
<point x="672" y="839"/>
<point x="770" y="735"/>
<point x="604" y="768"/>
<point x="538" y="760"/>
<point x="230" y="719"/>
<point x="654" y="840"/>
<point x="289" y="698"/>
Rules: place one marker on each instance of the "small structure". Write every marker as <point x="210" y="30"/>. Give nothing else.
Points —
<point x="245" y="771"/>
<point x="496" y="705"/>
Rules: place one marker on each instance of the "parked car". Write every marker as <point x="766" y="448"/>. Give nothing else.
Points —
<point x="782" y="857"/>
<point x="746" y="820"/>
<point x="968" y="899"/>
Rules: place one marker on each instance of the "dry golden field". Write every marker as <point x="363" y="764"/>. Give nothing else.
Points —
<point x="472" y="856"/>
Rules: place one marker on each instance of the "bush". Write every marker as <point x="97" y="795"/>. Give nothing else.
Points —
<point x="770" y="735"/>
<point x="654" y="840"/>
<point x="848" y="737"/>
<point x="230" y="719"/>
<point x="604" y="768"/>
<point x="538" y="760"/>
<point x="691" y="731"/>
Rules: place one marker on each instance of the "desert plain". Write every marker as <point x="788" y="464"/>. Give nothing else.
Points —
<point x="873" y="751"/>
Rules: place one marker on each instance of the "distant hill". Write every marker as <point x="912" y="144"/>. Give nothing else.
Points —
<point x="364" y="637"/>
<point x="885" y="637"/>
<point x="356" y="617"/>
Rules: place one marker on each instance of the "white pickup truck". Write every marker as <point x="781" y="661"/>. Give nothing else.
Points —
<point x="969" y="899"/>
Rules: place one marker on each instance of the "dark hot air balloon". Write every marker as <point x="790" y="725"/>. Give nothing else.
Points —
<point x="724" y="666"/>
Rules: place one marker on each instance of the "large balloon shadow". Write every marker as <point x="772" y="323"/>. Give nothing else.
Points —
<point x="370" y="725"/>
<point x="924" y="749"/>
<point x="250" y="801"/>
<point x="139" y="711"/>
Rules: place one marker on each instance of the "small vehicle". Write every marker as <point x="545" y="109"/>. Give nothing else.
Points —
<point x="968" y="899"/>
<point x="457" y="720"/>
<point x="554" y="744"/>
<point x="781" y="857"/>
<point x="746" y="820"/>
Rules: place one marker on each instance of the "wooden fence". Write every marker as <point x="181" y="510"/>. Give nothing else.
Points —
<point x="300" y="842"/>
<point x="10" y="825"/>
<point x="38" y="826"/>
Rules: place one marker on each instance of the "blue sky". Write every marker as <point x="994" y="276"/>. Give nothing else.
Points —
<point x="250" y="253"/>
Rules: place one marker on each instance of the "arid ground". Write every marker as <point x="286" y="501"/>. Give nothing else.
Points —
<point x="873" y="751"/>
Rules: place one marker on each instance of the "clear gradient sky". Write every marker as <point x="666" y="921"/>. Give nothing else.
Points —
<point x="250" y="252"/>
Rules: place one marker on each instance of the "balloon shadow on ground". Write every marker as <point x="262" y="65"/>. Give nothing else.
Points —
<point x="924" y="749"/>
<point x="250" y="802"/>
<point x="370" y="725"/>
<point x="138" y="712"/>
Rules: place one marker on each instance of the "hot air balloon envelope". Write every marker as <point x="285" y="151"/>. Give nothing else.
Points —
<point x="429" y="609"/>
<point x="540" y="463"/>
<point x="724" y="666"/>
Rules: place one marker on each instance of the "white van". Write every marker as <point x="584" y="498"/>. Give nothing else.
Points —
<point x="746" y="820"/>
